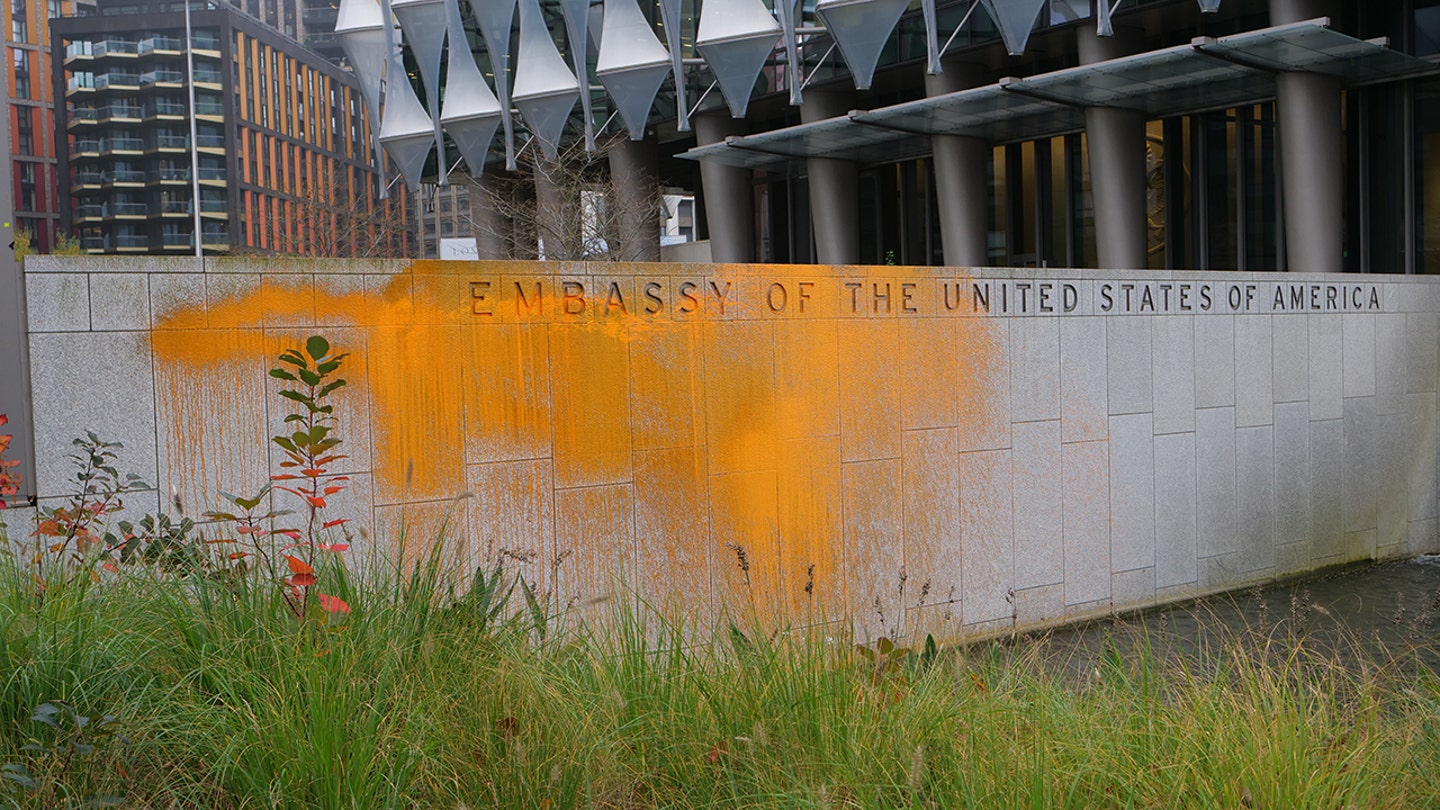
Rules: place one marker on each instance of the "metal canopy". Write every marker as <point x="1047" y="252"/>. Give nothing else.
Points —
<point x="1208" y="74"/>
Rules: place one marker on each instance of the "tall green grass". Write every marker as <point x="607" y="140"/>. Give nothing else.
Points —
<point x="420" y="697"/>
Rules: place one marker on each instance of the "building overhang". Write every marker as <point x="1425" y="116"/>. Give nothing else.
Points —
<point x="1207" y="74"/>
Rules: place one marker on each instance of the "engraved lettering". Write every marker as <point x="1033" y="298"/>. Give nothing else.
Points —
<point x="653" y="303"/>
<point x="776" y="304"/>
<point x="804" y="293"/>
<point x="573" y="292"/>
<point x="480" y="298"/>
<point x="854" y="288"/>
<point x="687" y="291"/>
<point x="720" y="294"/>
<point x="907" y="294"/>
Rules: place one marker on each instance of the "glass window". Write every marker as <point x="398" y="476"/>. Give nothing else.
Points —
<point x="21" y="60"/>
<point x="24" y="130"/>
<point x="19" y="21"/>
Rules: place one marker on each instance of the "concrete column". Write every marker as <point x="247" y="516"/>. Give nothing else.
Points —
<point x="834" y="188"/>
<point x="1312" y="156"/>
<point x="1115" y="140"/>
<point x="961" y="178"/>
<point x="491" y="225"/>
<point x="634" y="172"/>
<point x="728" y="193"/>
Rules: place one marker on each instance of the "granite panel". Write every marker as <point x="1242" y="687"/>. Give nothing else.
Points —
<point x="1087" y="522"/>
<point x="1255" y="497"/>
<point x="1292" y="473"/>
<point x="987" y="556"/>
<point x="1327" y="489"/>
<point x="1290" y="343"/>
<point x="1422" y="339"/>
<point x="930" y="382"/>
<point x="58" y="302"/>
<point x="1254" y="370"/>
<point x="875" y="573"/>
<point x="1034" y="369"/>
<point x="1083" y="379"/>
<point x="930" y="495"/>
<point x="119" y="302"/>
<point x="1361" y="464"/>
<point x="1174" y="349"/>
<point x="1391" y="361"/>
<point x="1130" y="364"/>
<point x="1215" y="361"/>
<point x="1038" y="509"/>
<point x="1132" y="492"/>
<point x="1215" y="482"/>
<point x="1327" y="383"/>
<point x="1421" y="432"/>
<point x="870" y="389"/>
<point x="1358" y="350"/>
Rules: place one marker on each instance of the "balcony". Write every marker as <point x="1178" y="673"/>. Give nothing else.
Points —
<point x="118" y="79"/>
<point x="90" y="178"/>
<point x="126" y="209"/>
<point x="205" y="141"/>
<point x="207" y="76"/>
<point x="215" y="239"/>
<point x="113" y="145"/>
<point x="92" y="243"/>
<point x="77" y="116"/>
<point x="115" y="47"/>
<point x="115" y="112"/>
<point x="173" y="45"/>
<point x="163" y="141"/>
<point x="174" y="207"/>
<point x="209" y="108"/>
<point x="123" y="176"/>
<point x="76" y="84"/>
<point x="86" y="146"/>
<point x="89" y="211"/>
<point x="170" y="176"/>
<point x="162" y="77"/>
<point x="215" y="174"/>
<point x="131" y="241"/>
<point x="213" y="207"/>
<point x="79" y="50"/>
<point x="165" y="107"/>
<point x="175" y="240"/>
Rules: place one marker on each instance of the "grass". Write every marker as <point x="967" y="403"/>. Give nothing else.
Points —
<point x="419" y="697"/>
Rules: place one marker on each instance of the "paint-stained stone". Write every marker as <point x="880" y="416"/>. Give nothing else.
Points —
<point x="119" y="301"/>
<point x="513" y="515"/>
<point x="1174" y="347"/>
<point x="58" y="302"/>
<point x="114" y="372"/>
<point x="985" y="395"/>
<point x="672" y="567"/>
<point x="1034" y="369"/>
<point x="745" y="566"/>
<point x="507" y="391"/>
<point x="1038" y="508"/>
<point x="807" y="379"/>
<point x="930" y="494"/>
<point x="1130" y="364"/>
<point x="590" y="394"/>
<point x="987" y="555"/>
<point x="930" y="385"/>
<point x="809" y="499"/>
<point x="1083" y="379"/>
<point x="869" y="389"/>
<point x="1175" y="510"/>
<point x="875" y="570"/>
<point x="739" y="396"/>
<point x="594" y="544"/>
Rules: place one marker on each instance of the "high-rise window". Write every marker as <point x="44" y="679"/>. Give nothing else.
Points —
<point x="19" y="21"/>
<point x="26" y="173"/>
<point x="24" y="130"/>
<point x="21" y="60"/>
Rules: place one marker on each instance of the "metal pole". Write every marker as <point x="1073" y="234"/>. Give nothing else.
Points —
<point x="194" y="144"/>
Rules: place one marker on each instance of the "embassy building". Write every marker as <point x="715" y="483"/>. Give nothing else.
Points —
<point x="1250" y="135"/>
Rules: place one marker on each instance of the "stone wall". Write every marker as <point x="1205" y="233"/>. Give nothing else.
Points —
<point x="923" y="449"/>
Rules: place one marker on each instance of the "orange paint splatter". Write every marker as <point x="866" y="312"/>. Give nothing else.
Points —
<point x="633" y="404"/>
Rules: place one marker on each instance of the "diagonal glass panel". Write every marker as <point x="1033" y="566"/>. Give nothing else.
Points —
<point x="632" y="63"/>
<point x="545" y="89"/>
<point x="1310" y="46"/>
<point x="406" y="131"/>
<point x="424" y="24"/>
<point x="577" y="27"/>
<point x="861" y="28"/>
<point x="1016" y="19"/>
<point x="735" y="38"/>
<point x="471" y="113"/>
<point x="496" y="19"/>
<point x="1209" y="6"/>
<point x="672" y="21"/>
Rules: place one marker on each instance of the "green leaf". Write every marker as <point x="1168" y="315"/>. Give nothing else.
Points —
<point x="317" y="346"/>
<point x="19" y="775"/>
<point x="330" y="387"/>
<point x="282" y="374"/>
<point x="285" y="443"/>
<point x="300" y="439"/>
<point x="328" y="367"/>
<point x="309" y="377"/>
<point x="296" y="396"/>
